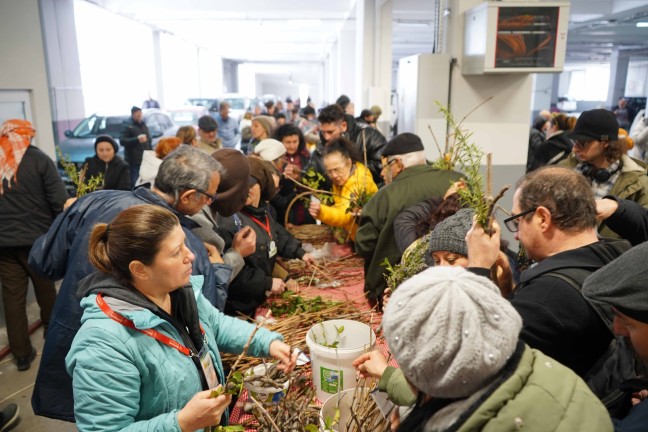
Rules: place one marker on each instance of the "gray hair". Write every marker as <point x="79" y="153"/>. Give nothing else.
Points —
<point x="186" y="168"/>
<point x="411" y="159"/>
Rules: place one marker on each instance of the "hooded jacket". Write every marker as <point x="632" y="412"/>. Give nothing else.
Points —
<point x="538" y="395"/>
<point x="557" y="319"/>
<point x="62" y="253"/>
<point x="116" y="175"/>
<point x="126" y="380"/>
<point x="337" y="215"/>
<point x="248" y="290"/>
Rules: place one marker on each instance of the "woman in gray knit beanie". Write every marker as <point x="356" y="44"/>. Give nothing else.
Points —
<point x="457" y="343"/>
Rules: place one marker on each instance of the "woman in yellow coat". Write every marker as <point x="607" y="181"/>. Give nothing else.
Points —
<point x="351" y="180"/>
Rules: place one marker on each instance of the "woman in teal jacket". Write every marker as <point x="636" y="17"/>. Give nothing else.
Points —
<point x="147" y="354"/>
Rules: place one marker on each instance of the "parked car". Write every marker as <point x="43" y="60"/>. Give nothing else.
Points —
<point x="210" y="104"/>
<point x="187" y="115"/>
<point x="79" y="144"/>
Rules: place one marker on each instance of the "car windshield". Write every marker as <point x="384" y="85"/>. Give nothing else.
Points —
<point x="99" y="125"/>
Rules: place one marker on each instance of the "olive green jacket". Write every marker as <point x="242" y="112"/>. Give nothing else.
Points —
<point x="632" y="185"/>
<point x="541" y="395"/>
<point x="375" y="236"/>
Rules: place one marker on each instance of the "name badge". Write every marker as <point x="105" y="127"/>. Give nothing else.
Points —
<point x="208" y="367"/>
<point x="272" y="249"/>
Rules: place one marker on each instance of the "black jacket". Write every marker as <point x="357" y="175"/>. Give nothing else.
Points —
<point x="248" y="290"/>
<point x="552" y="151"/>
<point x="363" y="134"/>
<point x="35" y="197"/>
<point x="133" y="149"/>
<point x="557" y="319"/>
<point x="630" y="221"/>
<point x="116" y="175"/>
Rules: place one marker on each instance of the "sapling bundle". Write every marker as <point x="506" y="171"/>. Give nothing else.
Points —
<point x="82" y="185"/>
<point x="412" y="263"/>
<point x="461" y="154"/>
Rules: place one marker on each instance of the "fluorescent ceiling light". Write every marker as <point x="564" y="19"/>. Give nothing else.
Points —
<point x="413" y="23"/>
<point x="642" y="24"/>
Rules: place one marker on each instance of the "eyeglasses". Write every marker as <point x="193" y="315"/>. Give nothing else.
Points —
<point x="210" y="198"/>
<point x="389" y="163"/>
<point x="513" y="223"/>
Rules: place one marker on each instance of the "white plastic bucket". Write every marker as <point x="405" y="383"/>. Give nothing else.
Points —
<point x="328" y="410"/>
<point x="332" y="367"/>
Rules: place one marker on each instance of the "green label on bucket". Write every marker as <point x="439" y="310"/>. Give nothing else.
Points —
<point x="330" y="379"/>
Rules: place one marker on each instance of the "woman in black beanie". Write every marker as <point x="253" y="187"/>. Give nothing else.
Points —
<point x="105" y="162"/>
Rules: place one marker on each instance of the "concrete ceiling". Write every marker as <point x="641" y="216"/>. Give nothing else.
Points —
<point x="304" y="30"/>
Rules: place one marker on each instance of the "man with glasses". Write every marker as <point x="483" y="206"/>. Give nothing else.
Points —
<point x="409" y="180"/>
<point x="554" y="219"/>
<point x="187" y="181"/>
<point x="600" y="157"/>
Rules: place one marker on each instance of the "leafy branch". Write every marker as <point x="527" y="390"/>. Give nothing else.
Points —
<point x="77" y="177"/>
<point x="461" y="154"/>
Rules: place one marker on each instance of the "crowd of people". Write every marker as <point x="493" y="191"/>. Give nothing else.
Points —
<point x="156" y="276"/>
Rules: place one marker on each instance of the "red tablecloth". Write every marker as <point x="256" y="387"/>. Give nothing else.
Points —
<point x="351" y="293"/>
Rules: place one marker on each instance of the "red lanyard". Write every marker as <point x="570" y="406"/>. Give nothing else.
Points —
<point x="149" y="332"/>
<point x="265" y="226"/>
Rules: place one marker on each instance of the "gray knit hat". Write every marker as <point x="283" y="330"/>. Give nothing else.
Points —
<point x="450" y="234"/>
<point x="621" y="284"/>
<point x="450" y="331"/>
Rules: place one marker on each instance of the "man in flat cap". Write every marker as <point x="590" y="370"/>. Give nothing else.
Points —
<point x="208" y="140"/>
<point x="409" y="180"/>
<point x="599" y="155"/>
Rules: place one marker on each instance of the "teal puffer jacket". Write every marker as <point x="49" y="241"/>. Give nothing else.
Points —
<point x="124" y="380"/>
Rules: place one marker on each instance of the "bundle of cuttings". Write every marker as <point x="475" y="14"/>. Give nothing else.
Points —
<point x="412" y="262"/>
<point x="295" y="327"/>
<point x="294" y="412"/>
<point x="355" y="411"/>
<point x="342" y="272"/>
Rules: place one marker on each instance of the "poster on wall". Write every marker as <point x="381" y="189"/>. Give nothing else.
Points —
<point x="526" y="37"/>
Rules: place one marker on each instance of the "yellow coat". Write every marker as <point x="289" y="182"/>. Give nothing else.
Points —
<point x="336" y="215"/>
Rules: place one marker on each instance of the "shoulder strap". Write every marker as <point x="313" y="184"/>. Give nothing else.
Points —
<point x="574" y="276"/>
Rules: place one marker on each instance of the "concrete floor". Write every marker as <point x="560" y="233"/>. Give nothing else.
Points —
<point x="17" y="386"/>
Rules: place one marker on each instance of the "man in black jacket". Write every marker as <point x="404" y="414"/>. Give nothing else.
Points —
<point x="135" y="138"/>
<point x="334" y="123"/>
<point x="554" y="218"/>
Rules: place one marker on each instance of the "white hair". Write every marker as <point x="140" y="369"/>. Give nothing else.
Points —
<point x="411" y="159"/>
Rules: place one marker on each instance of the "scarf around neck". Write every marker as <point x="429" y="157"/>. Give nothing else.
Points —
<point x="15" y="137"/>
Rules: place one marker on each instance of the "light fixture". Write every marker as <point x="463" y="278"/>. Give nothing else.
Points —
<point x="412" y="23"/>
<point x="642" y="24"/>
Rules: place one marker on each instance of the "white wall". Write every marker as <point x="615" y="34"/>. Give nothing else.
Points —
<point x="23" y="65"/>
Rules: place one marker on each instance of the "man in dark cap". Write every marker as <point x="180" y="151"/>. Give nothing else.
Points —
<point x="135" y="138"/>
<point x="208" y="140"/>
<point x="599" y="156"/>
<point x="410" y="180"/>
<point x="618" y="291"/>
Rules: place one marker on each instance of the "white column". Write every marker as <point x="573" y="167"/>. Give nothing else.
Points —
<point x="619" y="62"/>
<point x="62" y="62"/>
<point x="346" y="64"/>
<point x="157" y="67"/>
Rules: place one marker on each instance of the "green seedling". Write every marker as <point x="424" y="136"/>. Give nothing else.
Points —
<point x="233" y="386"/>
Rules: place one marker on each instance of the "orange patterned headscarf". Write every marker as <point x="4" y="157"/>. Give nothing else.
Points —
<point x="15" y="137"/>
